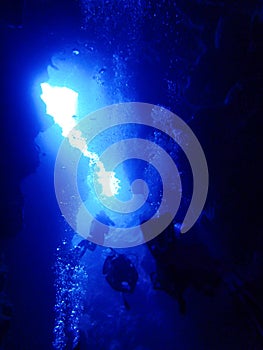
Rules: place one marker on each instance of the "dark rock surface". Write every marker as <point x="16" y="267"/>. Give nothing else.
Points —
<point x="207" y="68"/>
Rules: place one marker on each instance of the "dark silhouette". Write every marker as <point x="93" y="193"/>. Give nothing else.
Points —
<point x="99" y="227"/>
<point x="180" y="264"/>
<point x="121" y="274"/>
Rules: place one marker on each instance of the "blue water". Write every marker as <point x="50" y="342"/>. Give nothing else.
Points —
<point x="157" y="52"/>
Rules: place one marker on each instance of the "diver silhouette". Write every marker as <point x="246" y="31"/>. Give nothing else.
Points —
<point x="99" y="227"/>
<point x="121" y="274"/>
<point x="181" y="263"/>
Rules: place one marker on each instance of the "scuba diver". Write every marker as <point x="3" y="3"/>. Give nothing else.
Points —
<point x="183" y="262"/>
<point x="180" y="263"/>
<point x="99" y="228"/>
<point x="121" y="274"/>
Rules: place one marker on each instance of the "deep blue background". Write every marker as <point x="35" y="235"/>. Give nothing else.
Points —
<point x="202" y="60"/>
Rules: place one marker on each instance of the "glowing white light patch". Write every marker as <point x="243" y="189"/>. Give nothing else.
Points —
<point x="107" y="179"/>
<point x="61" y="105"/>
<point x="110" y="184"/>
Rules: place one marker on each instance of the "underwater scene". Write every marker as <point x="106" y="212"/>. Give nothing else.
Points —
<point x="130" y="175"/>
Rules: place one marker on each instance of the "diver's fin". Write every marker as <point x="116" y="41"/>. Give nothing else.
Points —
<point x="125" y="302"/>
